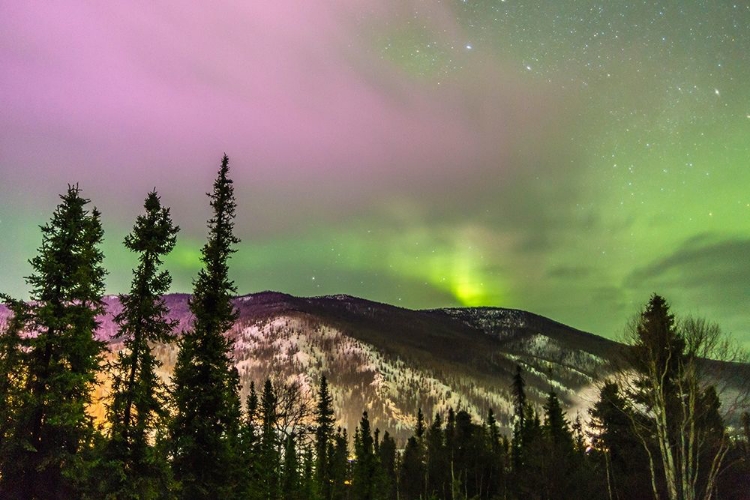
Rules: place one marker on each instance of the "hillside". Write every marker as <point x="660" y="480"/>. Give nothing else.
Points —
<point x="391" y="360"/>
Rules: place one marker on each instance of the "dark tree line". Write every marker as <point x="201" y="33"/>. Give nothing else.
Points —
<point x="657" y="432"/>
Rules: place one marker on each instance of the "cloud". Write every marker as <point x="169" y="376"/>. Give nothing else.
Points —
<point x="370" y="128"/>
<point x="700" y="262"/>
<point x="298" y="95"/>
<point x="708" y="273"/>
<point x="569" y="272"/>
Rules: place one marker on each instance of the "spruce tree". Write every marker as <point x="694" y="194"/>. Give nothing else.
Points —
<point x="252" y="409"/>
<point x="387" y="459"/>
<point x="533" y="454"/>
<point x="556" y="426"/>
<point x="308" y="488"/>
<point x="468" y="455"/>
<point x="323" y="438"/>
<point x="622" y="457"/>
<point x="497" y="459"/>
<point x="204" y="432"/>
<point x="291" y="482"/>
<point x="268" y="466"/>
<point x="42" y="452"/>
<point x="249" y="448"/>
<point x="365" y="465"/>
<point x="413" y="478"/>
<point x="411" y="471"/>
<point x="438" y="463"/>
<point x="558" y="462"/>
<point x="420" y="428"/>
<point x="138" y="395"/>
<point x="338" y="465"/>
<point x="526" y="443"/>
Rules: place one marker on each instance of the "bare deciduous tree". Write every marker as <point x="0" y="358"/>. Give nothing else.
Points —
<point x="679" y="379"/>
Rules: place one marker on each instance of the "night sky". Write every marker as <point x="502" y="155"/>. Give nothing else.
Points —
<point x="567" y="157"/>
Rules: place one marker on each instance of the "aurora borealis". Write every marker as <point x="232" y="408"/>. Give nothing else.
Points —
<point x="564" y="157"/>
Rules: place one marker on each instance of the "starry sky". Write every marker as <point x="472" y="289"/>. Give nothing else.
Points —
<point x="567" y="157"/>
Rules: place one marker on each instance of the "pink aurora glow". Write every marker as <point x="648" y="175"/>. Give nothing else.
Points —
<point x="297" y="93"/>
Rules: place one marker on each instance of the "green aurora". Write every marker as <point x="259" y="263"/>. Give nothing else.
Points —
<point x="587" y="155"/>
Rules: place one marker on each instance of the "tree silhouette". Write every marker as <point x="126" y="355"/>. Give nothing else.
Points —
<point x="323" y="438"/>
<point x="139" y="398"/>
<point x="41" y="452"/>
<point x="204" y="432"/>
<point x="676" y="413"/>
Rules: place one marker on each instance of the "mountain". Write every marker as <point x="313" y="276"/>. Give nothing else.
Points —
<point x="390" y="360"/>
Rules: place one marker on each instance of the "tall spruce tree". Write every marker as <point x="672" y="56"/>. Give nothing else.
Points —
<point x="41" y="454"/>
<point x="323" y="438"/>
<point x="270" y="444"/>
<point x="204" y="432"/>
<point x="138" y="404"/>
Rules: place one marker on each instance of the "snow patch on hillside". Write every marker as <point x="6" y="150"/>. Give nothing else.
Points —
<point x="360" y="376"/>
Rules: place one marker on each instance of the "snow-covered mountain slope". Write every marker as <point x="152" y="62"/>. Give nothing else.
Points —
<point x="391" y="361"/>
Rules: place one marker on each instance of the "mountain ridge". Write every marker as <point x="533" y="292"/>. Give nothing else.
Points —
<point x="391" y="360"/>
